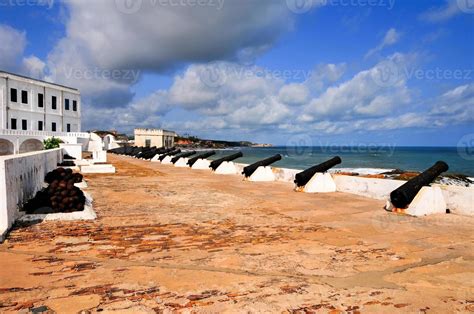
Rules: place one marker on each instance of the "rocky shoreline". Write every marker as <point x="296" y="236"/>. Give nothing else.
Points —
<point x="398" y="174"/>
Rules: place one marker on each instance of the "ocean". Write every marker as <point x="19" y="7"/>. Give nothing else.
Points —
<point x="362" y="159"/>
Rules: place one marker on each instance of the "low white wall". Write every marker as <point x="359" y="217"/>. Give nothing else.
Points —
<point x="21" y="176"/>
<point x="73" y="150"/>
<point x="459" y="199"/>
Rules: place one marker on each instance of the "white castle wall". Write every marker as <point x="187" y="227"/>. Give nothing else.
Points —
<point x="21" y="176"/>
<point x="459" y="200"/>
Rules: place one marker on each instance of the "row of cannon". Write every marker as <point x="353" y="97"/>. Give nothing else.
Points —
<point x="400" y="197"/>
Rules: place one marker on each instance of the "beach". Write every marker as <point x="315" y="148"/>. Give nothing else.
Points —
<point x="175" y="239"/>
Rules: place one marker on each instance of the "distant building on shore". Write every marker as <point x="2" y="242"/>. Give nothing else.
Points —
<point x="154" y="137"/>
<point x="32" y="110"/>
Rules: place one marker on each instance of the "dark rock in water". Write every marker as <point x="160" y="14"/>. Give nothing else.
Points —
<point x="395" y="171"/>
<point x="455" y="179"/>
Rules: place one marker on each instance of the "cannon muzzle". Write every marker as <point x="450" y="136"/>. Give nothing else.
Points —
<point x="216" y="163"/>
<point x="404" y="195"/>
<point x="249" y="170"/>
<point x="303" y="177"/>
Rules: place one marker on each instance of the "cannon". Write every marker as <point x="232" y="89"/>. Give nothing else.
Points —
<point x="182" y="155"/>
<point x="193" y="160"/>
<point x="303" y="177"/>
<point x="249" y="170"/>
<point x="404" y="195"/>
<point x="172" y="153"/>
<point x="216" y="163"/>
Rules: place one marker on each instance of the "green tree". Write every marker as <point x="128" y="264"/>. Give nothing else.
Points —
<point x="51" y="143"/>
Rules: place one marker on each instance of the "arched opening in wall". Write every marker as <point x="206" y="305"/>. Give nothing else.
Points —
<point x="6" y="147"/>
<point x="31" y="145"/>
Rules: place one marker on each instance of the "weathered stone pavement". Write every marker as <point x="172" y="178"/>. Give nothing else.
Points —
<point x="172" y="239"/>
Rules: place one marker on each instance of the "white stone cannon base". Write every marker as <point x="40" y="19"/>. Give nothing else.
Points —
<point x="262" y="174"/>
<point x="156" y="158"/>
<point x="181" y="163"/>
<point x="429" y="200"/>
<point x="227" y="167"/>
<point x="167" y="160"/>
<point x="319" y="183"/>
<point x="201" y="164"/>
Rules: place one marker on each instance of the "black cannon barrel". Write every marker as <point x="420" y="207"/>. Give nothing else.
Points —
<point x="216" y="163"/>
<point x="404" y="195"/>
<point x="193" y="160"/>
<point x="172" y="153"/>
<point x="182" y="155"/>
<point x="303" y="177"/>
<point x="249" y="170"/>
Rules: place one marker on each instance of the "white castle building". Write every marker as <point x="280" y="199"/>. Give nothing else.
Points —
<point x="32" y="110"/>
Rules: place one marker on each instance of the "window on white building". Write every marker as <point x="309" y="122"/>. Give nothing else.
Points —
<point x="68" y="127"/>
<point x="24" y="125"/>
<point x="13" y="124"/>
<point x="66" y="104"/>
<point x="24" y="97"/>
<point x="40" y="125"/>
<point x="74" y="105"/>
<point x="40" y="100"/>
<point x="53" y="126"/>
<point x="13" y="95"/>
<point x="54" y="102"/>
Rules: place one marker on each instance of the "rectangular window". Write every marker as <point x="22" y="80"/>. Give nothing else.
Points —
<point x="40" y="100"/>
<point x="147" y="143"/>
<point x="54" y="103"/>
<point x="66" y="104"/>
<point x="68" y="127"/>
<point x="13" y="124"/>
<point x="13" y="95"/>
<point x="74" y="105"/>
<point x="24" y="97"/>
<point x="53" y="126"/>
<point x="40" y="125"/>
<point x="24" y="125"/>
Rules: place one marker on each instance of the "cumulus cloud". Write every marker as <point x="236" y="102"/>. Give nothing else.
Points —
<point x="13" y="44"/>
<point x="391" y="37"/>
<point x="363" y="95"/>
<point x="154" y="36"/>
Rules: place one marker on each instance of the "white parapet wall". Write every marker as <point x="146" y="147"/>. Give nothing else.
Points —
<point x="21" y="176"/>
<point x="73" y="150"/>
<point x="459" y="199"/>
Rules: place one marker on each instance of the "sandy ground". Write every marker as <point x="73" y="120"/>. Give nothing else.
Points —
<point x="179" y="240"/>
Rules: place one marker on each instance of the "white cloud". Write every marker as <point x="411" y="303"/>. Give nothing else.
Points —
<point x="12" y="45"/>
<point x="390" y="38"/>
<point x="438" y="14"/>
<point x="34" y="67"/>
<point x="361" y="96"/>
<point x="155" y="37"/>
<point x="294" y="94"/>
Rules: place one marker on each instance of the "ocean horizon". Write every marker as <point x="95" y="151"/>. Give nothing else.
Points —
<point x="363" y="159"/>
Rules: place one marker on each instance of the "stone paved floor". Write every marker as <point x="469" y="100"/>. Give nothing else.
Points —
<point x="170" y="239"/>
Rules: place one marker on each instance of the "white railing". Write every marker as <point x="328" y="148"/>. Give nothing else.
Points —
<point x="44" y="133"/>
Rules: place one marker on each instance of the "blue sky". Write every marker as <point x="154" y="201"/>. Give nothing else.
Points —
<point x="338" y="71"/>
